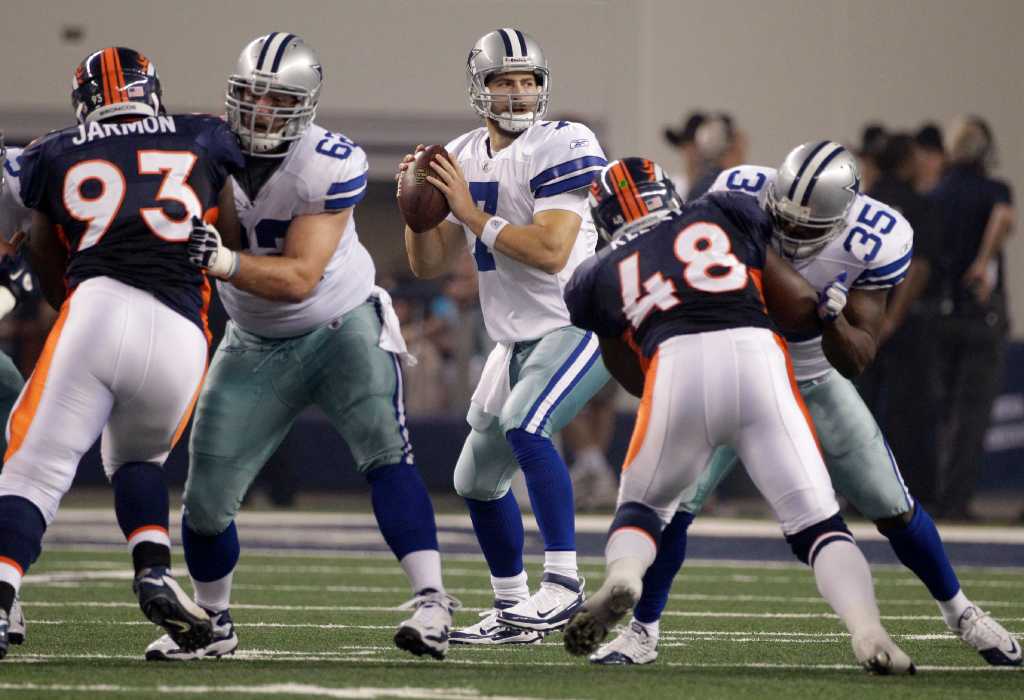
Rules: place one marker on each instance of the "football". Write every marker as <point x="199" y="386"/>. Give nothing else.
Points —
<point x="423" y="206"/>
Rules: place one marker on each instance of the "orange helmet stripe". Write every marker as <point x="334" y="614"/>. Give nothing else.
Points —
<point x="637" y="199"/>
<point x="626" y="203"/>
<point x="119" y="91"/>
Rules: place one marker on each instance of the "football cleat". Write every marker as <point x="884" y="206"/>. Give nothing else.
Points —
<point x="5" y="627"/>
<point x="590" y="625"/>
<point x="427" y="631"/>
<point x="490" y="631"/>
<point x="979" y="631"/>
<point x="224" y="642"/>
<point x="166" y="605"/>
<point x="877" y="653"/>
<point x="16" y="629"/>
<point x="633" y="645"/>
<point x="549" y="608"/>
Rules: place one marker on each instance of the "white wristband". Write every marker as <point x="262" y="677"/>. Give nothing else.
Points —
<point x="225" y="264"/>
<point x="491" y="230"/>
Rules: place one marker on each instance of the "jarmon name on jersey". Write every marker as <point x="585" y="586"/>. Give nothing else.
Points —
<point x="323" y="172"/>
<point x="548" y="167"/>
<point x="874" y="249"/>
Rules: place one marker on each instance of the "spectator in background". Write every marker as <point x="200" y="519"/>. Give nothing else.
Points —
<point x="683" y="140"/>
<point x="872" y="142"/>
<point x="720" y="145"/>
<point x="977" y="216"/>
<point x="898" y="385"/>
<point x="930" y="157"/>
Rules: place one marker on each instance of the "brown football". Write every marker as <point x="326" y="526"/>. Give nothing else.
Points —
<point x="423" y="206"/>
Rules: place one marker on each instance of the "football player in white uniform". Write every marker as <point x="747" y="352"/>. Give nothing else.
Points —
<point x="856" y="249"/>
<point x="308" y="327"/>
<point x="517" y="191"/>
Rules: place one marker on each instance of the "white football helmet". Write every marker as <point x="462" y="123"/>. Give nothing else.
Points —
<point x="273" y="93"/>
<point x="506" y="50"/>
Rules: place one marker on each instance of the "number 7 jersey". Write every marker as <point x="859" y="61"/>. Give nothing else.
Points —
<point x="121" y="196"/>
<point x="874" y="249"/>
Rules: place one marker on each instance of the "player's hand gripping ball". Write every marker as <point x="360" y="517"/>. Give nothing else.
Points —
<point x="423" y="206"/>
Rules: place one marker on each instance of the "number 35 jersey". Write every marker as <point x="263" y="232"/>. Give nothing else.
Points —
<point x="549" y="166"/>
<point x="122" y="195"/>
<point x="323" y="173"/>
<point x="874" y="249"/>
<point x="697" y="271"/>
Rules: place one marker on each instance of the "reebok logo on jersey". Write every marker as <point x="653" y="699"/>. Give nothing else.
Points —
<point x="578" y="143"/>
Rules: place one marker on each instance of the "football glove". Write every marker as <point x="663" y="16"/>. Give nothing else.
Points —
<point x="832" y="298"/>
<point x="206" y="251"/>
<point x="16" y="283"/>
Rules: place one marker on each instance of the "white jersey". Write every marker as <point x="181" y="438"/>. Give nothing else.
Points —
<point x="874" y="249"/>
<point x="14" y="216"/>
<point x="323" y="172"/>
<point x="549" y="166"/>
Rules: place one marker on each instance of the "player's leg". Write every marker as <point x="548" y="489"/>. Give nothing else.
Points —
<point x="483" y="477"/>
<point x="552" y="379"/>
<point x="359" y="387"/>
<point x="589" y="436"/>
<point x="11" y="384"/>
<point x="864" y="470"/>
<point x="252" y="392"/>
<point x="58" y="416"/>
<point x="637" y="643"/>
<point x="778" y="448"/>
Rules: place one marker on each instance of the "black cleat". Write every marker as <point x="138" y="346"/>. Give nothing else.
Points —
<point x="165" y="604"/>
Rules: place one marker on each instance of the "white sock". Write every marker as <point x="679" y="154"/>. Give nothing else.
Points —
<point x="423" y="569"/>
<point x="651" y="628"/>
<point x="844" y="581"/>
<point x="214" y="595"/>
<point x="11" y="573"/>
<point x="630" y="542"/>
<point x="511" y="588"/>
<point x="953" y="608"/>
<point x="561" y="563"/>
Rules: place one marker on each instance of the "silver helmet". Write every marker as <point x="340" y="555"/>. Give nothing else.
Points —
<point x="273" y="93"/>
<point x="810" y="196"/>
<point x="506" y="50"/>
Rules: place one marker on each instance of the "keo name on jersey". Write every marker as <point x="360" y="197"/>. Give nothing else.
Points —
<point x="148" y="125"/>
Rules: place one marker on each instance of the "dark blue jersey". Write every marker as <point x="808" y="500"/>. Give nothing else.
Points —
<point x="122" y="195"/>
<point x="697" y="271"/>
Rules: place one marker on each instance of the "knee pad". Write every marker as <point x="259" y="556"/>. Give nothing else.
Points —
<point x="637" y="516"/>
<point x="808" y="542"/>
<point x="207" y="515"/>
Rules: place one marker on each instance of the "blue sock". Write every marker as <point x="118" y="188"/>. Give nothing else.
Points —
<point x="547" y="480"/>
<point x="210" y="557"/>
<point x="499" y="529"/>
<point x="659" y="577"/>
<point x="403" y="509"/>
<point x="919" y="547"/>
<point x="140" y="497"/>
<point x="21" y="531"/>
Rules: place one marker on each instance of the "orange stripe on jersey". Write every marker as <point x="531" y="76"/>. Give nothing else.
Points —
<point x="756" y="276"/>
<point x="643" y="416"/>
<point x="630" y="340"/>
<point x="28" y="402"/>
<point x="206" y="292"/>
<point x="796" y="390"/>
<point x="10" y="562"/>
<point x="195" y="396"/>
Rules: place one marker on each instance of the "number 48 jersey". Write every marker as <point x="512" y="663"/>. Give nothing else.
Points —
<point x="697" y="271"/>
<point x="874" y="249"/>
<point x="122" y="196"/>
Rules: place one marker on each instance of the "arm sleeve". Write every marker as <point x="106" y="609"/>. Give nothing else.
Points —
<point x="566" y="160"/>
<point x="336" y="184"/>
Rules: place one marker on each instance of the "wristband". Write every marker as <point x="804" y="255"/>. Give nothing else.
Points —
<point x="491" y="230"/>
<point x="225" y="264"/>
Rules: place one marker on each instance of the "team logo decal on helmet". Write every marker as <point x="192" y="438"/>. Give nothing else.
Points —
<point x="810" y="196"/>
<point x="631" y="194"/>
<point x="273" y="94"/>
<point x="114" y="82"/>
<point x="507" y="50"/>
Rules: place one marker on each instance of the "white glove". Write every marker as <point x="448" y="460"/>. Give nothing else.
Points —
<point x="832" y="299"/>
<point x="205" y="251"/>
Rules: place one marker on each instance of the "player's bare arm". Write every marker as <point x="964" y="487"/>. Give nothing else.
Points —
<point x="791" y="301"/>
<point x="48" y="256"/>
<point x="997" y="230"/>
<point x="851" y="340"/>
<point x="544" y="244"/>
<point x="903" y="296"/>
<point x="623" y="364"/>
<point x="227" y="218"/>
<point x="432" y="252"/>
<point x="308" y="246"/>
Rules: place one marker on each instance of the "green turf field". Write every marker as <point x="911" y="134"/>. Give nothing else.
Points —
<point x="321" y="626"/>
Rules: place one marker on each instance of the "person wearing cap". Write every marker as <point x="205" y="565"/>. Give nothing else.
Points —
<point x="720" y="146"/>
<point x="682" y="138"/>
<point x="872" y="141"/>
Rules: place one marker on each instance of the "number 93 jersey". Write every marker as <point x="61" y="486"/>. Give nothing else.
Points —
<point x="549" y="166"/>
<point x="323" y="173"/>
<point x="122" y="195"/>
<point x="697" y="271"/>
<point x="874" y="249"/>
